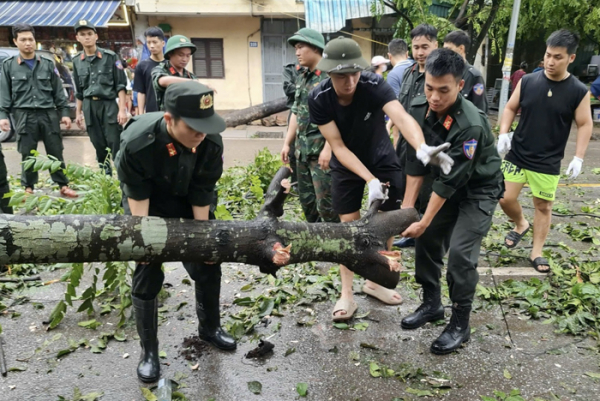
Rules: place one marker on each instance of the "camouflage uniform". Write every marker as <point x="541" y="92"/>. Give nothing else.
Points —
<point x="290" y="76"/>
<point x="314" y="184"/>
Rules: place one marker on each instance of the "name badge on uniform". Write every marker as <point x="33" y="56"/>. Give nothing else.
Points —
<point x="469" y="148"/>
<point x="171" y="149"/>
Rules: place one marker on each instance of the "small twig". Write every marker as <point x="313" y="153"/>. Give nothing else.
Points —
<point x="3" y="369"/>
<point x="18" y="280"/>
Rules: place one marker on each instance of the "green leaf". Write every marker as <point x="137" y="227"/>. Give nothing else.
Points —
<point x="362" y="326"/>
<point x="507" y="374"/>
<point x="341" y="326"/>
<point x="64" y="352"/>
<point x="486" y="398"/>
<point x="162" y="354"/>
<point x="120" y="336"/>
<point x="57" y="314"/>
<point x="247" y="287"/>
<point x="374" y="369"/>
<point x="302" y="389"/>
<point x="289" y="351"/>
<point x="148" y="396"/>
<point x="419" y="393"/>
<point x="90" y="324"/>
<point x="592" y="374"/>
<point x="255" y="387"/>
<point x="17" y="369"/>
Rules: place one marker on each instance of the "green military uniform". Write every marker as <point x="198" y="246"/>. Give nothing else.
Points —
<point x="98" y="79"/>
<point x="35" y="97"/>
<point x="474" y="89"/>
<point x="4" y="186"/>
<point x="314" y="184"/>
<point x="152" y="165"/>
<point x="413" y="85"/>
<point x="165" y="69"/>
<point x="290" y="78"/>
<point x="471" y="190"/>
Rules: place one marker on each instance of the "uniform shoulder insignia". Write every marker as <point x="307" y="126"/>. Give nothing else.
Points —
<point x="448" y="123"/>
<point x="478" y="89"/>
<point x="469" y="148"/>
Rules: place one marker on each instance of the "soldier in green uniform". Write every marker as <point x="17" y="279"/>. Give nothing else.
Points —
<point x="99" y="79"/>
<point x="32" y="91"/>
<point x="312" y="150"/>
<point x="177" y="54"/>
<point x="474" y="89"/>
<point x="291" y="72"/>
<point x="169" y="164"/>
<point x="459" y="213"/>
<point x="424" y="41"/>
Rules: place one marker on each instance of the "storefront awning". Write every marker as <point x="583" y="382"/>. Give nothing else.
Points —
<point x="57" y="13"/>
<point x="329" y="16"/>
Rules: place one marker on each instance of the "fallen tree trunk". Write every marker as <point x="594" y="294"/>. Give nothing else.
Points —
<point x="261" y="242"/>
<point x="247" y="115"/>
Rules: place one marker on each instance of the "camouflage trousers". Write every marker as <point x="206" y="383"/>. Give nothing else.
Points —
<point x="314" y="188"/>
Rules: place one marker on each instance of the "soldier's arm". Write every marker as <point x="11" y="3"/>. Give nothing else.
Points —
<point x="130" y="170"/>
<point x="6" y="92"/>
<point x="77" y="83"/>
<point x="289" y="81"/>
<point x="119" y="77"/>
<point x="479" y="100"/>
<point x="583" y="119"/>
<point x="139" y="207"/>
<point x="410" y="129"/>
<point x="60" y="100"/>
<point x="345" y="156"/>
<point x="445" y="185"/>
<point x="510" y="110"/>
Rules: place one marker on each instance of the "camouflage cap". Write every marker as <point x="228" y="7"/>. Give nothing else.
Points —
<point x="310" y="36"/>
<point x="178" y="42"/>
<point x="194" y="104"/>
<point x="342" y="55"/>
<point x="84" y="24"/>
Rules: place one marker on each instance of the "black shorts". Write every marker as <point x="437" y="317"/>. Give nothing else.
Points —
<point x="347" y="194"/>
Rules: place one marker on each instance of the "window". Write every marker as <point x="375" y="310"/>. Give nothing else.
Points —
<point x="208" y="59"/>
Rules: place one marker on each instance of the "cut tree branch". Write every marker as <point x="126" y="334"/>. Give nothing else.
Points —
<point x="264" y="241"/>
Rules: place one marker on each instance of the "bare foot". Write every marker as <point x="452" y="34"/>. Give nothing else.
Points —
<point x="385" y="295"/>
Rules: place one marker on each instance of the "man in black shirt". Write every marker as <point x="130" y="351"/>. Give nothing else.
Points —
<point x="155" y="40"/>
<point x="549" y="100"/>
<point x="349" y="110"/>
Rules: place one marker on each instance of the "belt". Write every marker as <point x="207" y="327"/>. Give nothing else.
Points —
<point x="95" y="98"/>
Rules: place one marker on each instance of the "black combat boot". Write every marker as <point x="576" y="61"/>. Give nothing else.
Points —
<point x="146" y="320"/>
<point x="430" y="310"/>
<point x="209" y="319"/>
<point x="456" y="333"/>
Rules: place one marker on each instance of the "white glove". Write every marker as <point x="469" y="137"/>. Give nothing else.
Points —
<point x="375" y="192"/>
<point x="574" y="167"/>
<point x="435" y="155"/>
<point x="504" y="141"/>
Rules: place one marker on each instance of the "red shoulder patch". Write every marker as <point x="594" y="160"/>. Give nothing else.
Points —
<point x="171" y="149"/>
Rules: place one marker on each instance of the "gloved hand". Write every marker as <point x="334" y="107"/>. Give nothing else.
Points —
<point x="574" y="167"/>
<point x="435" y="155"/>
<point x="375" y="192"/>
<point x="504" y="141"/>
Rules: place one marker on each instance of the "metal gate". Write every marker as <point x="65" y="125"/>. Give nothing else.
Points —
<point x="276" y="53"/>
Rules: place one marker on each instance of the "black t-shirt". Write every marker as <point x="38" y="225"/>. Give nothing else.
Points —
<point x="541" y="137"/>
<point x="142" y="83"/>
<point x="361" y="123"/>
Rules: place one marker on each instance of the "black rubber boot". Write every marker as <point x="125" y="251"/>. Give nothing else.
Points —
<point x="456" y="332"/>
<point x="146" y="320"/>
<point x="430" y="310"/>
<point x="209" y="319"/>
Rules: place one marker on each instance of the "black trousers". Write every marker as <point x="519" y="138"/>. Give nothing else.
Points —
<point x="4" y="186"/>
<point x="457" y="229"/>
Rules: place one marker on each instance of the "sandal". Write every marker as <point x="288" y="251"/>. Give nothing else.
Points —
<point x="515" y="237"/>
<point x="540" y="261"/>
<point x="346" y="305"/>
<point x="383" y="294"/>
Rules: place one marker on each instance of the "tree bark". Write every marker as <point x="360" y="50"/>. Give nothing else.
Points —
<point x="262" y="241"/>
<point x="257" y="112"/>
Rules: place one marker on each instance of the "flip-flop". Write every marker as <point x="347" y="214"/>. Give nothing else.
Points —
<point x="515" y="237"/>
<point x="383" y="294"/>
<point x="540" y="261"/>
<point x="343" y="304"/>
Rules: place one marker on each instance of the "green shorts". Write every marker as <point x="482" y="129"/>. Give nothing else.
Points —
<point x="542" y="186"/>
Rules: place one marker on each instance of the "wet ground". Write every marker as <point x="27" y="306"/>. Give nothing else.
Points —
<point x="503" y="354"/>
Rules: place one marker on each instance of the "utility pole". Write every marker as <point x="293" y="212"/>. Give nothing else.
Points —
<point x="508" y="60"/>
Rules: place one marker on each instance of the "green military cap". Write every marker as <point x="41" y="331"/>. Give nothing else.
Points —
<point x="309" y="36"/>
<point x="178" y="42"/>
<point x="84" y="24"/>
<point x="342" y="55"/>
<point x="193" y="102"/>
